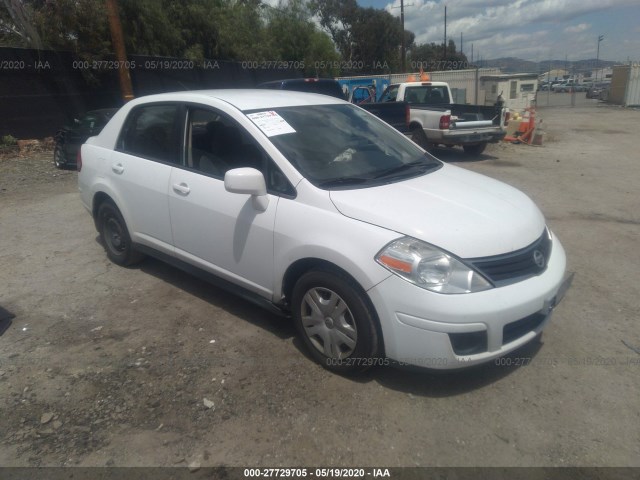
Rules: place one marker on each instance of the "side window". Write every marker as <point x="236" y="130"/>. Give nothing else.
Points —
<point x="88" y="124"/>
<point x="361" y="94"/>
<point x="216" y="143"/>
<point x="276" y="181"/>
<point x="390" y="94"/>
<point x="150" y="132"/>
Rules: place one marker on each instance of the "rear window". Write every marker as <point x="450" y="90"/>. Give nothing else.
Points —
<point x="427" y="94"/>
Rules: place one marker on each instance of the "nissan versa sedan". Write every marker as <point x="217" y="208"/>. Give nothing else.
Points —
<point x="312" y="207"/>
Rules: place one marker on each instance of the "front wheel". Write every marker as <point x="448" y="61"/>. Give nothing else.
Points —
<point x="474" y="150"/>
<point x="335" y="322"/>
<point x="115" y="236"/>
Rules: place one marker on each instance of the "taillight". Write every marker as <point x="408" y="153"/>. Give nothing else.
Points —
<point x="507" y="117"/>
<point x="445" y="122"/>
<point x="79" y="159"/>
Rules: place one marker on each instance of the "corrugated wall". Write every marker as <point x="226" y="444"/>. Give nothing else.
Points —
<point x="618" y="84"/>
<point x="632" y="97"/>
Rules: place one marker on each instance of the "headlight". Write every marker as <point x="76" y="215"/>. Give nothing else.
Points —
<point x="429" y="267"/>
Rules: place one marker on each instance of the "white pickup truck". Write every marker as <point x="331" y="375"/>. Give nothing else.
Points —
<point x="436" y="120"/>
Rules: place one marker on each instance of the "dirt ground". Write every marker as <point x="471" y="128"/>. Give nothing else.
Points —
<point x="108" y="366"/>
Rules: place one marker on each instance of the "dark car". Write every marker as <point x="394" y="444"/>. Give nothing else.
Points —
<point x="69" y="138"/>
<point x="325" y="86"/>
<point x="595" y="91"/>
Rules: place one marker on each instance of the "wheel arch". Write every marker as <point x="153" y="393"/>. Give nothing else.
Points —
<point x="415" y="124"/>
<point x="301" y="266"/>
<point x="101" y="196"/>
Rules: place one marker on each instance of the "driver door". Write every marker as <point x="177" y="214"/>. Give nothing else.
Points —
<point x="218" y="231"/>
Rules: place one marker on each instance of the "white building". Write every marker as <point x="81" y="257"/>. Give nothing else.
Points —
<point x="518" y="90"/>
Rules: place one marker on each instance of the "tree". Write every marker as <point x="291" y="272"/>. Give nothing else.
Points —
<point x="367" y="36"/>
<point x="79" y="26"/>
<point x="321" y="59"/>
<point x="430" y="57"/>
<point x="193" y="29"/>
<point x="293" y="37"/>
<point x="149" y="28"/>
<point x="16" y="25"/>
<point x="377" y="38"/>
<point x="338" y="18"/>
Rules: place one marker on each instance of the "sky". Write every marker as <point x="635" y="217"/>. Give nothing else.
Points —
<point x="528" y="29"/>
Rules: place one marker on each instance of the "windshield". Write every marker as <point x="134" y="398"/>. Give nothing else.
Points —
<point x="342" y="146"/>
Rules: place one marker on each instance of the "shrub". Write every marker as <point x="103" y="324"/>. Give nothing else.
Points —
<point x="8" y="141"/>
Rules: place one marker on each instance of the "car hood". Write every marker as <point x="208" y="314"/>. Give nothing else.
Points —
<point x="465" y="213"/>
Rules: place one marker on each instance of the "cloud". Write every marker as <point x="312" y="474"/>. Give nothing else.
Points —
<point x="495" y="26"/>
<point x="577" y="28"/>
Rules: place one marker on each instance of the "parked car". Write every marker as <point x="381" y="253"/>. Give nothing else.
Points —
<point x="69" y="138"/>
<point x="314" y="208"/>
<point x="324" y="86"/>
<point x="396" y="115"/>
<point x="594" y="92"/>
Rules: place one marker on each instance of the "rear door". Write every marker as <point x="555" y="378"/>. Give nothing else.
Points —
<point x="140" y="168"/>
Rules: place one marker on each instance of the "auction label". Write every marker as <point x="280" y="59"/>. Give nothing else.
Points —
<point x="271" y="123"/>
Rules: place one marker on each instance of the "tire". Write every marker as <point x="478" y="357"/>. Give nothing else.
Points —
<point x="58" y="157"/>
<point x="335" y="322"/>
<point x="115" y="236"/>
<point x="474" y="150"/>
<point x="418" y="136"/>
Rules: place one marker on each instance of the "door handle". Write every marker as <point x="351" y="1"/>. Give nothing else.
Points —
<point x="181" y="188"/>
<point x="118" y="168"/>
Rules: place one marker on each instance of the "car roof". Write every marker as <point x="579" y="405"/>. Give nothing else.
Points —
<point x="243" y="99"/>
<point x="108" y="112"/>
<point x="301" y="80"/>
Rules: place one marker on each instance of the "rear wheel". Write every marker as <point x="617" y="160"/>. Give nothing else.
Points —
<point x="419" y="137"/>
<point x="115" y="236"/>
<point x="335" y="322"/>
<point x="474" y="150"/>
<point x="58" y="157"/>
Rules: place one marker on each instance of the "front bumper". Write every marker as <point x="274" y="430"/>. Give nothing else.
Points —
<point x="432" y="330"/>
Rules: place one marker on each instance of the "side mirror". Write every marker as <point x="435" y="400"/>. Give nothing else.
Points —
<point x="248" y="181"/>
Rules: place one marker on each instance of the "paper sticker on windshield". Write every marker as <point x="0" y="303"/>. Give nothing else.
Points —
<point x="271" y="123"/>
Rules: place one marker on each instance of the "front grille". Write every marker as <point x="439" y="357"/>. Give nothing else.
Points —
<point x="515" y="266"/>
<point x="514" y="330"/>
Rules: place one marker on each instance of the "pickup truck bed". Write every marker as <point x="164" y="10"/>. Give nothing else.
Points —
<point x="435" y="120"/>
<point x="470" y="126"/>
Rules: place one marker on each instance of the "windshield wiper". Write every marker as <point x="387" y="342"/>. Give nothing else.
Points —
<point x="415" y="165"/>
<point x="334" y="182"/>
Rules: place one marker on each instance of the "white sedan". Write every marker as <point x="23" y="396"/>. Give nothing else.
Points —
<point x="313" y="207"/>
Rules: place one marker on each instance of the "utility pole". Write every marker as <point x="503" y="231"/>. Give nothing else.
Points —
<point x="117" y="39"/>
<point x="461" y="51"/>
<point x="403" y="51"/>
<point x="600" y="38"/>
<point x="403" y="46"/>
<point x="445" y="34"/>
